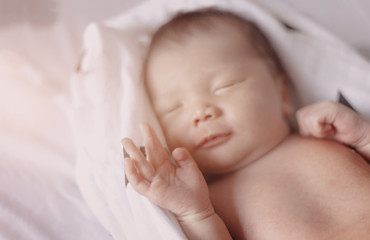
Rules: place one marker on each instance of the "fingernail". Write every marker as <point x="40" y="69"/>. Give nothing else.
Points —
<point x="124" y="141"/>
<point x="327" y="128"/>
<point x="179" y="154"/>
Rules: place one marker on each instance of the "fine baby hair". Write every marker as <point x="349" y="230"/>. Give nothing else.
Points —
<point x="188" y="24"/>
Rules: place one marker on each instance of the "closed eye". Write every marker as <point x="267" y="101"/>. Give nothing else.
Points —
<point x="226" y="86"/>
<point x="172" y="109"/>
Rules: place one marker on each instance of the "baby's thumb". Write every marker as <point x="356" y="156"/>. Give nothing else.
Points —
<point x="182" y="157"/>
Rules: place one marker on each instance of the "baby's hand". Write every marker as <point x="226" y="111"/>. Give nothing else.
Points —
<point x="335" y="121"/>
<point x="180" y="189"/>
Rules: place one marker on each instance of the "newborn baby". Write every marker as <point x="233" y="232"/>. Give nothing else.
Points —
<point x="236" y="169"/>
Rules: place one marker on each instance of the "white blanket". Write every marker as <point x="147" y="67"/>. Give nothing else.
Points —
<point x="109" y="100"/>
<point x="39" y="198"/>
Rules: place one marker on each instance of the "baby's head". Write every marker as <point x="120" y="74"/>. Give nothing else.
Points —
<point x="218" y="89"/>
<point x="188" y="25"/>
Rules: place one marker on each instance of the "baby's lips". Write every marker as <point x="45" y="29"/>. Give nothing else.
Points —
<point x="213" y="138"/>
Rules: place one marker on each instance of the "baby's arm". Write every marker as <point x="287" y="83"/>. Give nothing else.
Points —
<point x="180" y="189"/>
<point x="335" y="121"/>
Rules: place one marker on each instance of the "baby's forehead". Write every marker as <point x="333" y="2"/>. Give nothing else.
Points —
<point x="223" y="37"/>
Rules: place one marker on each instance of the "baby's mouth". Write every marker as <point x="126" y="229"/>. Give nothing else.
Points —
<point x="214" y="140"/>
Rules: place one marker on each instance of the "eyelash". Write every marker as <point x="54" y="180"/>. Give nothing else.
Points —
<point x="172" y="109"/>
<point x="227" y="85"/>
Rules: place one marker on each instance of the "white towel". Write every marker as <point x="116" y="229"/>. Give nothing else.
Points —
<point x="109" y="100"/>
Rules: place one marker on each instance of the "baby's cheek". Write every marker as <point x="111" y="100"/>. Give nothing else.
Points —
<point x="173" y="138"/>
<point x="172" y="143"/>
<point x="177" y="134"/>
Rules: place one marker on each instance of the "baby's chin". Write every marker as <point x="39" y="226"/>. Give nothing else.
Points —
<point x="227" y="160"/>
<point x="218" y="165"/>
<point x="212" y="175"/>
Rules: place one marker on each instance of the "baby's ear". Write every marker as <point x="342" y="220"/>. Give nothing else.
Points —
<point x="285" y="93"/>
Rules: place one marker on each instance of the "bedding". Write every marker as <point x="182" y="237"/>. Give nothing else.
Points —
<point x="39" y="198"/>
<point x="40" y="46"/>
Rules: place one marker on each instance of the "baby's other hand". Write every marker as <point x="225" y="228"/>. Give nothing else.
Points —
<point x="181" y="189"/>
<point x="332" y="120"/>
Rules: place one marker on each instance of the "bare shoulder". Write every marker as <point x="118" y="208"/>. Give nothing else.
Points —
<point x="325" y="155"/>
<point x="340" y="177"/>
<point x="336" y="173"/>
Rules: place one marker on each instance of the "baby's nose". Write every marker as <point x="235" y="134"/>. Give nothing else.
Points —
<point x="205" y="113"/>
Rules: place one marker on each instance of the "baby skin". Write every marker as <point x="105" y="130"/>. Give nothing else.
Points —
<point x="236" y="169"/>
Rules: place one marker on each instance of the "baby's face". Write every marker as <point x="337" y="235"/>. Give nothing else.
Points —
<point x="215" y="96"/>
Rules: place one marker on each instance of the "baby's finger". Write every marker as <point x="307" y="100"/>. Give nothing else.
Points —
<point x="314" y="122"/>
<point x="138" y="182"/>
<point x="144" y="167"/>
<point x="303" y="123"/>
<point x="156" y="153"/>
